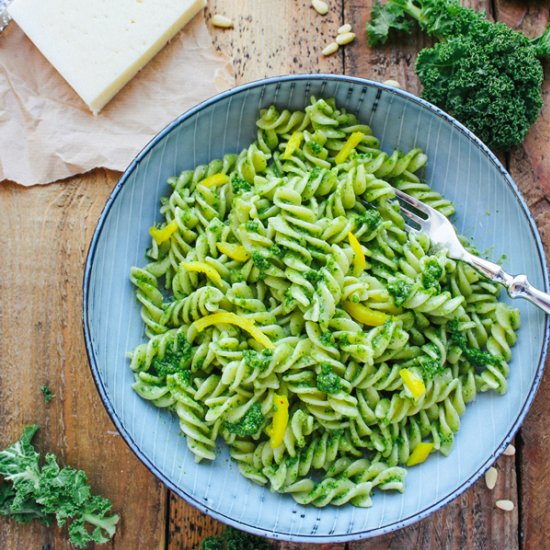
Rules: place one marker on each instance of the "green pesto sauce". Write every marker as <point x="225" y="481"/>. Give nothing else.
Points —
<point x="176" y="357"/>
<point x="277" y="251"/>
<point x="257" y="360"/>
<point x="249" y="424"/>
<point x="239" y="185"/>
<point x="474" y="355"/>
<point x="327" y="339"/>
<point x="400" y="291"/>
<point x="252" y="225"/>
<point x="432" y="274"/>
<point x="314" y="277"/>
<point x="327" y="381"/>
<point x="430" y="367"/>
<point x="315" y="147"/>
<point x="260" y="261"/>
<point x="370" y="218"/>
<point x="314" y="173"/>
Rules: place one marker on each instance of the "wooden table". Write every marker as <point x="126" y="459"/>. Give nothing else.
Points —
<point x="45" y="235"/>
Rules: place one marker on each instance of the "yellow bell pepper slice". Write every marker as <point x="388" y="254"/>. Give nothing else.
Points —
<point x="234" y="251"/>
<point x="414" y="383"/>
<point x="366" y="315"/>
<point x="280" y="421"/>
<point x="161" y="234"/>
<point x="420" y="453"/>
<point x="202" y="267"/>
<point x="214" y="180"/>
<point x="359" y="260"/>
<point x="353" y="141"/>
<point x="292" y="145"/>
<point x="226" y="317"/>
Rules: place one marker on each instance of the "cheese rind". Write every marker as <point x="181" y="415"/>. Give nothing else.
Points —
<point x="99" y="46"/>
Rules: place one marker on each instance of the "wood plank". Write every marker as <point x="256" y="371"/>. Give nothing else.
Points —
<point x="471" y="520"/>
<point x="530" y="168"/>
<point x="269" y="38"/>
<point x="44" y="237"/>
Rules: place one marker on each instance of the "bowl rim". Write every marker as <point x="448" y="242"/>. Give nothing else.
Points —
<point x="127" y="437"/>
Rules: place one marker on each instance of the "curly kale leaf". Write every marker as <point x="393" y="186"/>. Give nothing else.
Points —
<point x="391" y="16"/>
<point x="233" y="539"/>
<point x="485" y="74"/>
<point x="31" y="491"/>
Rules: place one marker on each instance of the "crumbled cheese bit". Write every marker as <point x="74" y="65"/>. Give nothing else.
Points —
<point x="320" y="6"/>
<point x="506" y="505"/>
<point x="491" y="478"/>
<point x="345" y="38"/>
<point x="392" y="82"/>
<point x="222" y="21"/>
<point x="330" y="49"/>
<point x="510" y="450"/>
<point x="344" y="29"/>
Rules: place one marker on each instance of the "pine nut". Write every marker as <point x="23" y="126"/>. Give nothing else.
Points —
<point x="393" y="83"/>
<point x="491" y="478"/>
<point x="320" y="6"/>
<point x="344" y="29"/>
<point x="345" y="38"/>
<point x="222" y="21"/>
<point x="506" y="505"/>
<point x="330" y="49"/>
<point x="510" y="450"/>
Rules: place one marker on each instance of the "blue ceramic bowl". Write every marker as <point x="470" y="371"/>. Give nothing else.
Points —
<point x="489" y="209"/>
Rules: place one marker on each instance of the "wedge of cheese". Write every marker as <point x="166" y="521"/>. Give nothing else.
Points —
<point x="99" y="45"/>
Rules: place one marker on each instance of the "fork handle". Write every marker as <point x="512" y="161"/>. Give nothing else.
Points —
<point x="517" y="287"/>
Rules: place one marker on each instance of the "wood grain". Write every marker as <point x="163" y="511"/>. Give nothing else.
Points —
<point x="530" y="168"/>
<point x="44" y="237"/>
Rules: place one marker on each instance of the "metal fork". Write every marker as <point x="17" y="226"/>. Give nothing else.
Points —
<point x="442" y="233"/>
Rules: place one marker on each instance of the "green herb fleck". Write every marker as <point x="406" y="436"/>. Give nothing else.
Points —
<point x="176" y="356"/>
<point x="475" y="356"/>
<point x="327" y="339"/>
<point x="239" y="185"/>
<point x="371" y="218"/>
<point x="314" y="173"/>
<point x="314" y="277"/>
<point x="400" y="291"/>
<point x="47" y="393"/>
<point x="257" y="360"/>
<point x="249" y="424"/>
<point x="260" y="261"/>
<point x="432" y="274"/>
<point x="277" y="251"/>
<point x="252" y="225"/>
<point x="315" y="147"/>
<point x="327" y="381"/>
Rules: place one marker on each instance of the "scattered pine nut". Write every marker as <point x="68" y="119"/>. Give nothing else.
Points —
<point x="345" y="38"/>
<point x="491" y="478"/>
<point x="506" y="505"/>
<point x="393" y="83"/>
<point x="320" y="6"/>
<point x="344" y="29"/>
<point x="222" y="21"/>
<point x="510" y="450"/>
<point x="330" y="49"/>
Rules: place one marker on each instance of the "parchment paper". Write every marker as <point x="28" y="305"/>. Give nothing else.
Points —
<point x="46" y="131"/>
